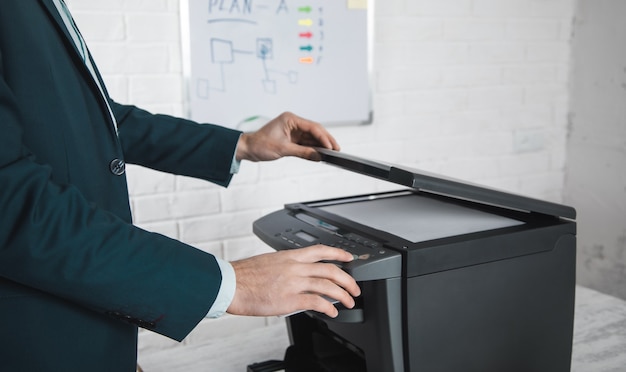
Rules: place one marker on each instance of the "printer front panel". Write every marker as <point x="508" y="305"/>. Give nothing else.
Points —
<point x="512" y="314"/>
<point x="367" y="338"/>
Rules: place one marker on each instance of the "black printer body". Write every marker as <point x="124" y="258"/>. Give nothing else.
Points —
<point x="454" y="277"/>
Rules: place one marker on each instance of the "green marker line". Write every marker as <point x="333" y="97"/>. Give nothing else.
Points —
<point x="251" y="118"/>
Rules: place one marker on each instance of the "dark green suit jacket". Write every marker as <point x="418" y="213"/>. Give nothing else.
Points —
<point x="76" y="277"/>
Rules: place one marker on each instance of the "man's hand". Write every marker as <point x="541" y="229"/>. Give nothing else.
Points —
<point x="283" y="282"/>
<point x="286" y="135"/>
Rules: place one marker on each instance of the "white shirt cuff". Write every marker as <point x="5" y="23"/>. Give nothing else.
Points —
<point x="226" y="292"/>
<point x="235" y="164"/>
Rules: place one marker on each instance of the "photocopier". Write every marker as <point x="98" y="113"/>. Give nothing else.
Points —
<point x="454" y="277"/>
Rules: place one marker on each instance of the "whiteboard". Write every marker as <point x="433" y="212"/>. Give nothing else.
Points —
<point x="247" y="61"/>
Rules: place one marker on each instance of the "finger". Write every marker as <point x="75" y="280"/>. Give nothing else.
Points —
<point x="312" y="301"/>
<point x="318" y="132"/>
<point x="321" y="252"/>
<point x="327" y="288"/>
<point x="334" y="276"/>
<point x="303" y="152"/>
<point x="330" y="274"/>
<point x="323" y="137"/>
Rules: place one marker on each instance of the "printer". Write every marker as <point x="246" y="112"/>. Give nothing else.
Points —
<point x="454" y="277"/>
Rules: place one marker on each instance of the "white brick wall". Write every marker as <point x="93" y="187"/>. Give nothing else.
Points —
<point x="474" y="89"/>
<point x="596" y="143"/>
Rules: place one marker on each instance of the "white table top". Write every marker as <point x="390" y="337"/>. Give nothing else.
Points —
<point x="599" y="333"/>
<point x="599" y="343"/>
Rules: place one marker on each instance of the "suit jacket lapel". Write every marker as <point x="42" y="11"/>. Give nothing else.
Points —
<point x="54" y="13"/>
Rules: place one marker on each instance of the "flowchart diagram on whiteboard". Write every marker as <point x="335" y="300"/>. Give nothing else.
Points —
<point x="249" y="60"/>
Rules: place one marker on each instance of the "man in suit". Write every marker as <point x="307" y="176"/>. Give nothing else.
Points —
<point x="77" y="279"/>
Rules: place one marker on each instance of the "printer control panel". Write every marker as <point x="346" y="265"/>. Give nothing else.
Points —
<point x="361" y="248"/>
<point x="291" y="230"/>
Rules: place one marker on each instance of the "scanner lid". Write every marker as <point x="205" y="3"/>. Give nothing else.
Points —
<point x="426" y="181"/>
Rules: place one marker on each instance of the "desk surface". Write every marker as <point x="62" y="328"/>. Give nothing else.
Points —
<point x="599" y="343"/>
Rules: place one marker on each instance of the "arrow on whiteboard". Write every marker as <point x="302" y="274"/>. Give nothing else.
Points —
<point x="305" y="22"/>
<point x="307" y="34"/>
<point x="308" y="48"/>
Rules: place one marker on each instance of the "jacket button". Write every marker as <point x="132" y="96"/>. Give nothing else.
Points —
<point x="117" y="167"/>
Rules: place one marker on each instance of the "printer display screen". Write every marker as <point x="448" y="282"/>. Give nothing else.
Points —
<point x="417" y="218"/>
